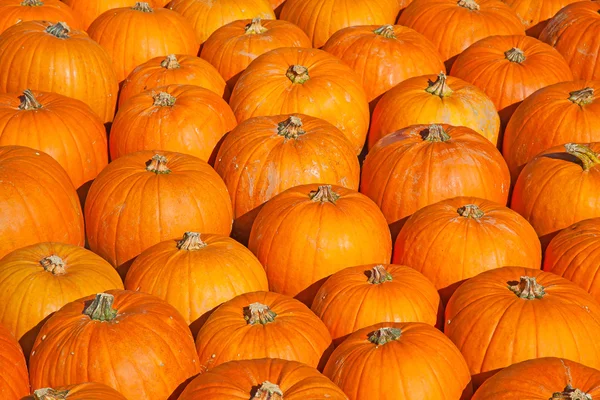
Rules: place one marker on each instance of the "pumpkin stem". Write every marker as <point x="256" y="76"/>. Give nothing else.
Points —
<point x="571" y="394"/>
<point x="469" y="5"/>
<point x="28" y="101"/>
<point x="255" y="27"/>
<point x="61" y="30"/>
<point x="291" y="128"/>
<point x="50" y="394"/>
<point x="191" y="241"/>
<point x="259" y="313"/>
<point x="435" y="133"/>
<point x="470" y="211"/>
<point x="387" y="31"/>
<point x="385" y="335"/>
<point x="164" y="99"/>
<point x="101" y="308"/>
<point x="379" y="275"/>
<point x="515" y="55"/>
<point x="324" y="194"/>
<point x="439" y="87"/>
<point x="32" y="3"/>
<point x="53" y="264"/>
<point x="528" y="288"/>
<point x="143" y="7"/>
<point x="269" y="391"/>
<point x="158" y="165"/>
<point x="170" y="62"/>
<point x="587" y="156"/>
<point x="297" y="74"/>
<point x="582" y="97"/>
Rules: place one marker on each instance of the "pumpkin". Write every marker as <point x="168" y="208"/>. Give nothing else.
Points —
<point x="89" y="10"/>
<point x="456" y="239"/>
<point x="308" y="81"/>
<point x="120" y="338"/>
<point x="207" y="16"/>
<point x="308" y="232"/>
<point x="144" y="198"/>
<point x="249" y="326"/>
<point x="444" y="21"/>
<point x="423" y="164"/>
<point x="232" y="47"/>
<point x="30" y="51"/>
<point x="558" y="188"/>
<point x="264" y="156"/>
<point x="495" y="319"/>
<point x="399" y="361"/>
<point x="14" y="380"/>
<point x="182" y="118"/>
<point x="433" y="99"/>
<point x="66" y="129"/>
<point x="535" y="14"/>
<point x="13" y="12"/>
<point x="134" y="35"/>
<point x="384" y="56"/>
<point x="357" y="297"/>
<point x="178" y="69"/>
<point x="264" y="379"/>
<point x="196" y="274"/>
<point x="81" y="391"/>
<point x="557" y="114"/>
<point x="524" y="63"/>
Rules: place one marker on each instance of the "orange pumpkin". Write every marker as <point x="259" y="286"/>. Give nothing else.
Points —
<point x="535" y="14"/>
<point x="308" y="81"/>
<point x="88" y="10"/>
<point x="433" y="99"/>
<point x="232" y="47"/>
<point x="14" y="380"/>
<point x="134" y="35"/>
<point x="145" y="198"/>
<point x="30" y="51"/>
<point x="13" y="12"/>
<point x="81" y="391"/>
<point x="183" y="118"/>
<point x="308" y="232"/>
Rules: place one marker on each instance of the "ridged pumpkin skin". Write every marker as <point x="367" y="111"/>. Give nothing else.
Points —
<point x="535" y="14"/>
<point x="495" y="320"/>
<point x="29" y="55"/>
<point x="134" y="35"/>
<point x="433" y="99"/>
<point x="179" y="69"/>
<point x="142" y="199"/>
<point x="13" y="12"/>
<point x="88" y="10"/>
<point x="308" y="232"/>
<point x="120" y="338"/>
<point x="38" y="202"/>
<point x="232" y="47"/>
<point x="357" y="297"/>
<point x="239" y="380"/>
<point x="510" y="68"/>
<point x="263" y="325"/>
<point x="182" y="118"/>
<point x="308" y="81"/>
<point x="458" y="238"/>
<point x="14" y="380"/>
<point x="444" y="21"/>
<point x="80" y="391"/>
<point x="415" y="359"/>
<point x="196" y="274"/>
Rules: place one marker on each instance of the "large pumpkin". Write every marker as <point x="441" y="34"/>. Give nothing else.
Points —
<point x="39" y="55"/>
<point x="14" y="379"/>
<point x="535" y="14"/>
<point x="264" y="156"/>
<point x="308" y="232"/>
<point x="433" y="99"/>
<point x="399" y="361"/>
<point x="183" y="118"/>
<point x="120" y="338"/>
<point x="89" y="10"/>
<point x="38" y="202"/>
<point x="80" y="391"/>
<point x="134" y="35"/>
<point x="511" y="314"/>
<point x="144" y="198"/>
<point x="13" y="12"/>
<point x="308" y="81"/>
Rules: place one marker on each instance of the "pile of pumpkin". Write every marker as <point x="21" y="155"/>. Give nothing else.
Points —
<point x="301" y="199"/>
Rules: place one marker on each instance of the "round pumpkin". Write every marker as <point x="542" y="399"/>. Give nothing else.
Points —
<point x="558" y="188"/>
<point x="384" y="56"/>
<point x="535" y="14"/>
<point x="456" y="239"/>
<point x="182" y="118"/>
<point x="134" y="35"/>
<point x="13" y="12"/>
<point x="510" y="68"/>
<point x="80" y="391"/>
<point x="444" y="22"/>
<point x="308" y="232"/>
<point x="88" y="10"/>
<point x="264" y="156"/>
<point x="145" y="198"/>
<point x="308" y="81"/>
<point x="232" y="47"/>
<point x="399" y="361"/>
<point x="178" y="69"/>
<point x="433" y="99"/>
<point x="263" y="325"/>
<point x="423" y="164"/>
<point x="120" y="338"/>
<point x="31" y="51"/>
<point x="14" y="380"/>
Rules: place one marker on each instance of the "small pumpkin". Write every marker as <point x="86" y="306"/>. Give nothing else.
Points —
<point x="535" y="14"/>
<point x="80" y="391"/>
<point x="13" y="12"/>
<point x="89" y="10"/>
<point x="14" y="380"/>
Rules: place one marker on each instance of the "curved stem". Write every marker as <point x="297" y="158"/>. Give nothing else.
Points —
<point x="50" y="394"/>
<point x="324" y="194"/>
<point x="60" y="30"/>
<point x="143" y="7"/>
<point x="582" y="97"/>
<point x="297" y="74"/>
<point x="470" y="211"/>
<point x="54" y="264"/>
<point x="469" y="4"/>
<point x="379" y="275"/>
<point x="28" y="101"/>
<point x="570" y="393"/>
<point x="385" y="335"/>
<point x="259" y="313"/>
<point x="191" y="241"/>
<point x="32" y="3"/>
<point x="158" y="165"/>
<point x="291" y="128"/>
<point x="164" y="99"/>
<point x="387" y="31"/>
<point x="587" y="156"/>
<point x="101" y="308"/>
<point x="439" y="87"/>
<point x="436" y="133"/>
<point x="515" y="55"/>
<point x="528" y="288"/>
<point x="268" y="391"/>
<point x="255" y="27"/>
<point x="170" y="62"/>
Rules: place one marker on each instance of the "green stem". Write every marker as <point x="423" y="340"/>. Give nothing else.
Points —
<point x="379" y="275"/>
<point x="158" y="165"/>
<point x="259" y="313"/>
<point x="53" y="264"/>
<point x="269" y="391"/>
<point x="385" y="335"/>
<point x="50" y="394"/>
<point x="101" y="308"/>
<point x="255" y="27"/>
<point x="324" y="194"/>
<point x="60" y="30"/>
<point x="170" y="62"/>
<point x="191" y="241"/>
<point x="28" y="101"/>
<point x="469" y="4"/>
<point x="470" y="211"/>
<point x="528" y="288"/>
<point x="436" y="133"/>
<point x="32" y="3"/>
<point x="582" y="97"/>
<point x="439" y="87"/>
<point x="164" y="99"/>
<point x="291" y="128"/>
<point x="387" y="31"/>
<point x="297" y="74"/>
<point x="570" y="393"/>
<point x="143" y="7"/>
<point x="515" y="55"/>
<point x="587" y="156"/>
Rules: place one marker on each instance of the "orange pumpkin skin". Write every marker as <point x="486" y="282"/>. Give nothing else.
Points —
<point x="13" y="12"/>
<point x="433" y="99"/>
<point x="142" y="199"/>
<point x="14" y="380"/>
<point x="29" y="55"/>
<point x="308" y="232"/>
<point x="182" y="118"/>
<point x="423" y="361"/>
<point x="527" y="64"/>
<point x="80" y="391"/>
<point x="134" y="35"/>
<point x="535" y="14"/>
<point x="88" y="10"/>
<point x="177" y="69"/>
<point x="307" y="81"/>
<point x="79" y="347"/>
